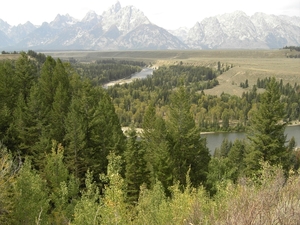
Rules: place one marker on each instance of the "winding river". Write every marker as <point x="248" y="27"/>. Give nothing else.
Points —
<point x="139" y="75"/>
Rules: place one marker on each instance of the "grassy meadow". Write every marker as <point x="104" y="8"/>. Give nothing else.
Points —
<point x="9" y="56"/>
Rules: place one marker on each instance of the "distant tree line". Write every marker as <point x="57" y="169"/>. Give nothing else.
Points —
<point x="14" y="52"/>
<point x="296" y="48"/>
<point x="40" y="57"/>
<point x="104" y="71"/>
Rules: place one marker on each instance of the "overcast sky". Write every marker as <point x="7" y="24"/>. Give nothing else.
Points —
<point x="167" y="14"/>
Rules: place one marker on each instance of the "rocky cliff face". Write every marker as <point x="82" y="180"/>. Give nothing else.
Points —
<point x="128" y="28"/>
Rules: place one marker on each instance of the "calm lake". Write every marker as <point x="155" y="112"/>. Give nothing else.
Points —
<point x="214" y="140"/>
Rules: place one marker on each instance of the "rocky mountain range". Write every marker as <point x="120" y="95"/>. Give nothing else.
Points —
<point x="127" y="28"/>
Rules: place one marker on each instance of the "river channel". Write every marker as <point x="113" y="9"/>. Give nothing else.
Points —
<point x="139" y="75"/>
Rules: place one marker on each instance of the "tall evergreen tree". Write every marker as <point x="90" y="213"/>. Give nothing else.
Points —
<point x="188" y="149"/>
<point x="136" y="171"/>
<point x="46" y="84"/>
<point x="61" y="102"/>
<point x="104" y="132"/>
<point x="16" y="80"/>
<point x="154" y="140"/>
<point x="266" y="131"/>
<point x="26" y="73"/>
<point x="75" y="138"/>
<point x="58" y="113"/>
<point x="236" y="158"/>
<point x="92" y="131"/>
<point x="29" y="124"/>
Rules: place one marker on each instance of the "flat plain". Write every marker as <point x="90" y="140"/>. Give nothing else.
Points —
<point x="247" y="64"/>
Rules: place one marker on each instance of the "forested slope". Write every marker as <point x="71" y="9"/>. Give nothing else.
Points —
<point x="65" y="160"/>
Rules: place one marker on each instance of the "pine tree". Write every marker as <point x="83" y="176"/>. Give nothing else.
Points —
<point x="92" y="131"/>
<point x="47" y="86"/>
<point x="58" y="113"/>
<point x="105" y="133"/>
<point x="75" y="139"/>
<point x="16" y="79"/>
<point x="136" y="171"/>
<point x="154" y="141"/>
<point x="236" y="158"/>
<point x="9" y="90"/>
<point x="29" y="122"/>
<point x="26" y="73"/>
<point x="266" y="131"/>
<point x="188" y="149"/>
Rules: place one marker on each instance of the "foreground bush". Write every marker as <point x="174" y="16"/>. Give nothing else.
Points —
<point x="268" y="198"/>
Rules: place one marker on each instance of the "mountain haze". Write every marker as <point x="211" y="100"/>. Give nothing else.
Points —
<point x="124" y="28"/>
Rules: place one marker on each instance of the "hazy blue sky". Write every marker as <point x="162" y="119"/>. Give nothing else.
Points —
<point x="167" y="14"/>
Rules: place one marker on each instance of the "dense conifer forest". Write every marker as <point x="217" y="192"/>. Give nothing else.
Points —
<point x="64" y="158"/>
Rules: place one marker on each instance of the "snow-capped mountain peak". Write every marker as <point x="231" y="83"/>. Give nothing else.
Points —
<point x="128" y="28"/>
<point x="4" y="26"/>
<point x="114" y="8"/>
<point x="91" y="16"/>
<point x="238" y="30"/>
<point x="125" y="18"/>
<point x="61" y="21"/>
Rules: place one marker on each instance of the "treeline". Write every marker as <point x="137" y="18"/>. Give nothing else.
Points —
<point x="104" y="71"/>
<point x="293" y="48"/>
<point x="40" y="57"/>
<point x="211" y="113"/>
<point x="131" y="99"/>
<point x="40" y="104"/>
<point x="296" y="48"/>
<point x="4" y="52"/>
<point x="289" y="95"/>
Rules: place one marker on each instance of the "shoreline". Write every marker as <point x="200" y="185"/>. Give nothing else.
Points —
<point x="294" y="123"/>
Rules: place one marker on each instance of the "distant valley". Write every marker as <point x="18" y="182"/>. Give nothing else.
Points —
<point x="127" y="28"/>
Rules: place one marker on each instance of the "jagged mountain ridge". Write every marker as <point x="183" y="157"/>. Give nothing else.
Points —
<point x="123" y="28"/>
<point x="238" y="30"/>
